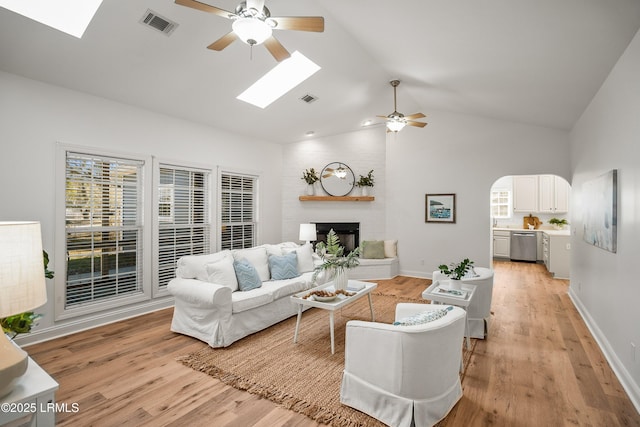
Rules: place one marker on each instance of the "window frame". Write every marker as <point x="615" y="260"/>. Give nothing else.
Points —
<point x="256" y="204"/>
<point x="60" y="282"/>
<point x="158" y="290"/>
<point x="509" y="203"/>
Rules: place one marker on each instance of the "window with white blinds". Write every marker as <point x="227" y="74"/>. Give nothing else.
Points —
<point x="238" y="193"/>
<point x="103" y="228"/>
<point x="183" y="217"/>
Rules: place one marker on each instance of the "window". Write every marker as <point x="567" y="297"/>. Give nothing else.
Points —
<point x="184" y="223"/>
<point x="501" y="204"/>
<point x="103" y="228"/>
<point x="238" y="194"/>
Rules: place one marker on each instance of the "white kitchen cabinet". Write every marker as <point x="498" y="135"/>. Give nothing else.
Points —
<point x="556" y="251"/>
<point x="525" y="193"/>
<point x="553" y="194"/>
<point x="501" y="244"/>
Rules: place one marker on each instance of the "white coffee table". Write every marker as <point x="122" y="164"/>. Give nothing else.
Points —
<point x="434" y="294"/>
<point x="332" y="306"/>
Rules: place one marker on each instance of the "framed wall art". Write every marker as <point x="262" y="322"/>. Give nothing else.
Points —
<point x="440" y="208"/>
<point x="601" y="211"/>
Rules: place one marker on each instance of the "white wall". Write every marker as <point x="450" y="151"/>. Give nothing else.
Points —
<point x="35" y="116"/>
<point x="362" y="151"/>
<point x="464" y="155"/>
<point x="604" y="285"/>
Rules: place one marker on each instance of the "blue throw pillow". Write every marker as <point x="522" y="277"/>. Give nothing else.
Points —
<point x="284" y="266"/>
<point x="247" y="275"/>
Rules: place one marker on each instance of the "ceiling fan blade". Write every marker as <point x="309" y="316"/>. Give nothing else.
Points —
<point x="416" y="124"/>
<point x="223" y="41"/>
<point x="255" y="4"/>
<point x="300" y="23"/>
<point x="415" y="116"/>
<point x="194" y="4"/>
<point x="276" y="49"/>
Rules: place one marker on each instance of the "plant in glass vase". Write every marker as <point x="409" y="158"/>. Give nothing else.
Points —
<point x="334" y="262"/>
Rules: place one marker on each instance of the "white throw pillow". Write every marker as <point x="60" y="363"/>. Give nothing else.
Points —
<point x="258" y="258"/>
<point x="194" y="266"/>
<point x="423" y="317"/>
<point x="390" y="248"/>
<point x="305" y="256"/>
<point x="222" y="273"/>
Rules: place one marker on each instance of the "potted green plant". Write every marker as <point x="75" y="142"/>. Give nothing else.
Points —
<point x="333" y="261"/>
<point x="456" y="271"/>
<point x="365" y="182"/>
<point x="23" y="322"/>
<point x="310" y="176"/>
<point x="558" y="224"/>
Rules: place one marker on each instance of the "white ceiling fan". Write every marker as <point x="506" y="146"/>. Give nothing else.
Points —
<point x="396" y="121"/>
<point x="253" y="24"/>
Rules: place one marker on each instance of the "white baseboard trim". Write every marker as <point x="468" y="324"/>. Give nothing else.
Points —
<point x="628" y="383"/>
<point x="418" y="274"/>
<point x="79" y="325"/>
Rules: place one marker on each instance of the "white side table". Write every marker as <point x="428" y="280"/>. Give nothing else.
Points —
<point x="32" y="401"/>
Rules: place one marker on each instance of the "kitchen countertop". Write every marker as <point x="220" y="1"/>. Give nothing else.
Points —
<point x="549" y="231"/>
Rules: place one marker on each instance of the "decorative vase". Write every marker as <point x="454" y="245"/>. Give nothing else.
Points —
<point x="365" y="190"/>
<point x="311" y="190"/>
<point x="340" y="279"/>
<point x="455" y="284"/>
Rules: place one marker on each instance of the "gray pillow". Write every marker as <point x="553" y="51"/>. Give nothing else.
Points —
<point x="247" y="275"/>
<point x="283" y="266"/>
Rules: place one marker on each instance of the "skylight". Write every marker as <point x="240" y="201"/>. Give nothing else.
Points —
<point x="69" y="16"/>
<point x="279" y="80"/>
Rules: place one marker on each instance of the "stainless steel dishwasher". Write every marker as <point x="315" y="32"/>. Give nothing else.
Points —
<point x="524" y="246"/>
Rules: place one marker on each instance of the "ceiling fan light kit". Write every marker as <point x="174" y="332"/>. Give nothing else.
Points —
<point x="251" y="31"/>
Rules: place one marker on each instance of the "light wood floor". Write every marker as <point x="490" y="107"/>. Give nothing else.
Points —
<point x="539" y="366"/>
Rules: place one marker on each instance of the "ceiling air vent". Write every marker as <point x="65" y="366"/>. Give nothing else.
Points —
<point x="157" y="22"/>
<point x="309" y="98"/>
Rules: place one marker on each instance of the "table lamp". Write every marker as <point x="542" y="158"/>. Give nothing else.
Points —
<point x="307" y="232"/>
<point x="22" y="288"/>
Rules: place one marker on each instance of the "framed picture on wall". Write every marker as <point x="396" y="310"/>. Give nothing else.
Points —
<point x="440" y="208"/>
<point x="601" y="211"/>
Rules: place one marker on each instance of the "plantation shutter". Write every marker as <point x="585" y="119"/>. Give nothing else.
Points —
<point x="103" y="228"/>
<point x="183" y="217"/>
<point x="238" y="194"/>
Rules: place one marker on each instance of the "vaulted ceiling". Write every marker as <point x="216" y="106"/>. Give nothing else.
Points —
<point x="537" y="62"/>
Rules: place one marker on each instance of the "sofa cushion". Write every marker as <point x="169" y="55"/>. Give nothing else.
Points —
<point x="305" y="256"/>
<point x="373" y="249"/>
<point x="223" y="273"/>
<point x="285" y="288"/>
<point x="423" y="317"/>
<point x="256" y="256"/>
<point x="194" y="266"/>
<point x="243" y="301"/>
<point x="390" y="248"/>
<point x="283" y="266"/>
<point x="247" y="275"/>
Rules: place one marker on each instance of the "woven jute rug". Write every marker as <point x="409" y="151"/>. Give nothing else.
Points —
<point x="303" y="377"/>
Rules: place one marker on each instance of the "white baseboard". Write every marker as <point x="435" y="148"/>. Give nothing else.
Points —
<point x="78" y="325"/>
<point x="418" y="274"/>
<point x="630" y="386"/>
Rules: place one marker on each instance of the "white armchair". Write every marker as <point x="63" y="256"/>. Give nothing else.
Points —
<point x="399" y="374"/>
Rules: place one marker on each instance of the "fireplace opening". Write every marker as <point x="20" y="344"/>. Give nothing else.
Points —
<point x="348" y="233"/>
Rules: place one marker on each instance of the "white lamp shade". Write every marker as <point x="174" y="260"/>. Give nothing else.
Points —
<point x="307" y="232"/>
<point x="22" y="281"/>
<point x="251" y="30"/>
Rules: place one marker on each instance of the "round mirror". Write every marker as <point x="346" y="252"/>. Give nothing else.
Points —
<point x="337" y="179"/>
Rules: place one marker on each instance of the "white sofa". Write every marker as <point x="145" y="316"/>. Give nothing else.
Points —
<point x="210" y="307"/>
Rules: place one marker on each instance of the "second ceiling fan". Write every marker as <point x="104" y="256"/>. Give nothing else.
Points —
<point x="396" y="121"/>
<point x="253" y="24"/>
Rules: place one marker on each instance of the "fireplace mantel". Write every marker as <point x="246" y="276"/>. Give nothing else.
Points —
<point x="337" y="198"/>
